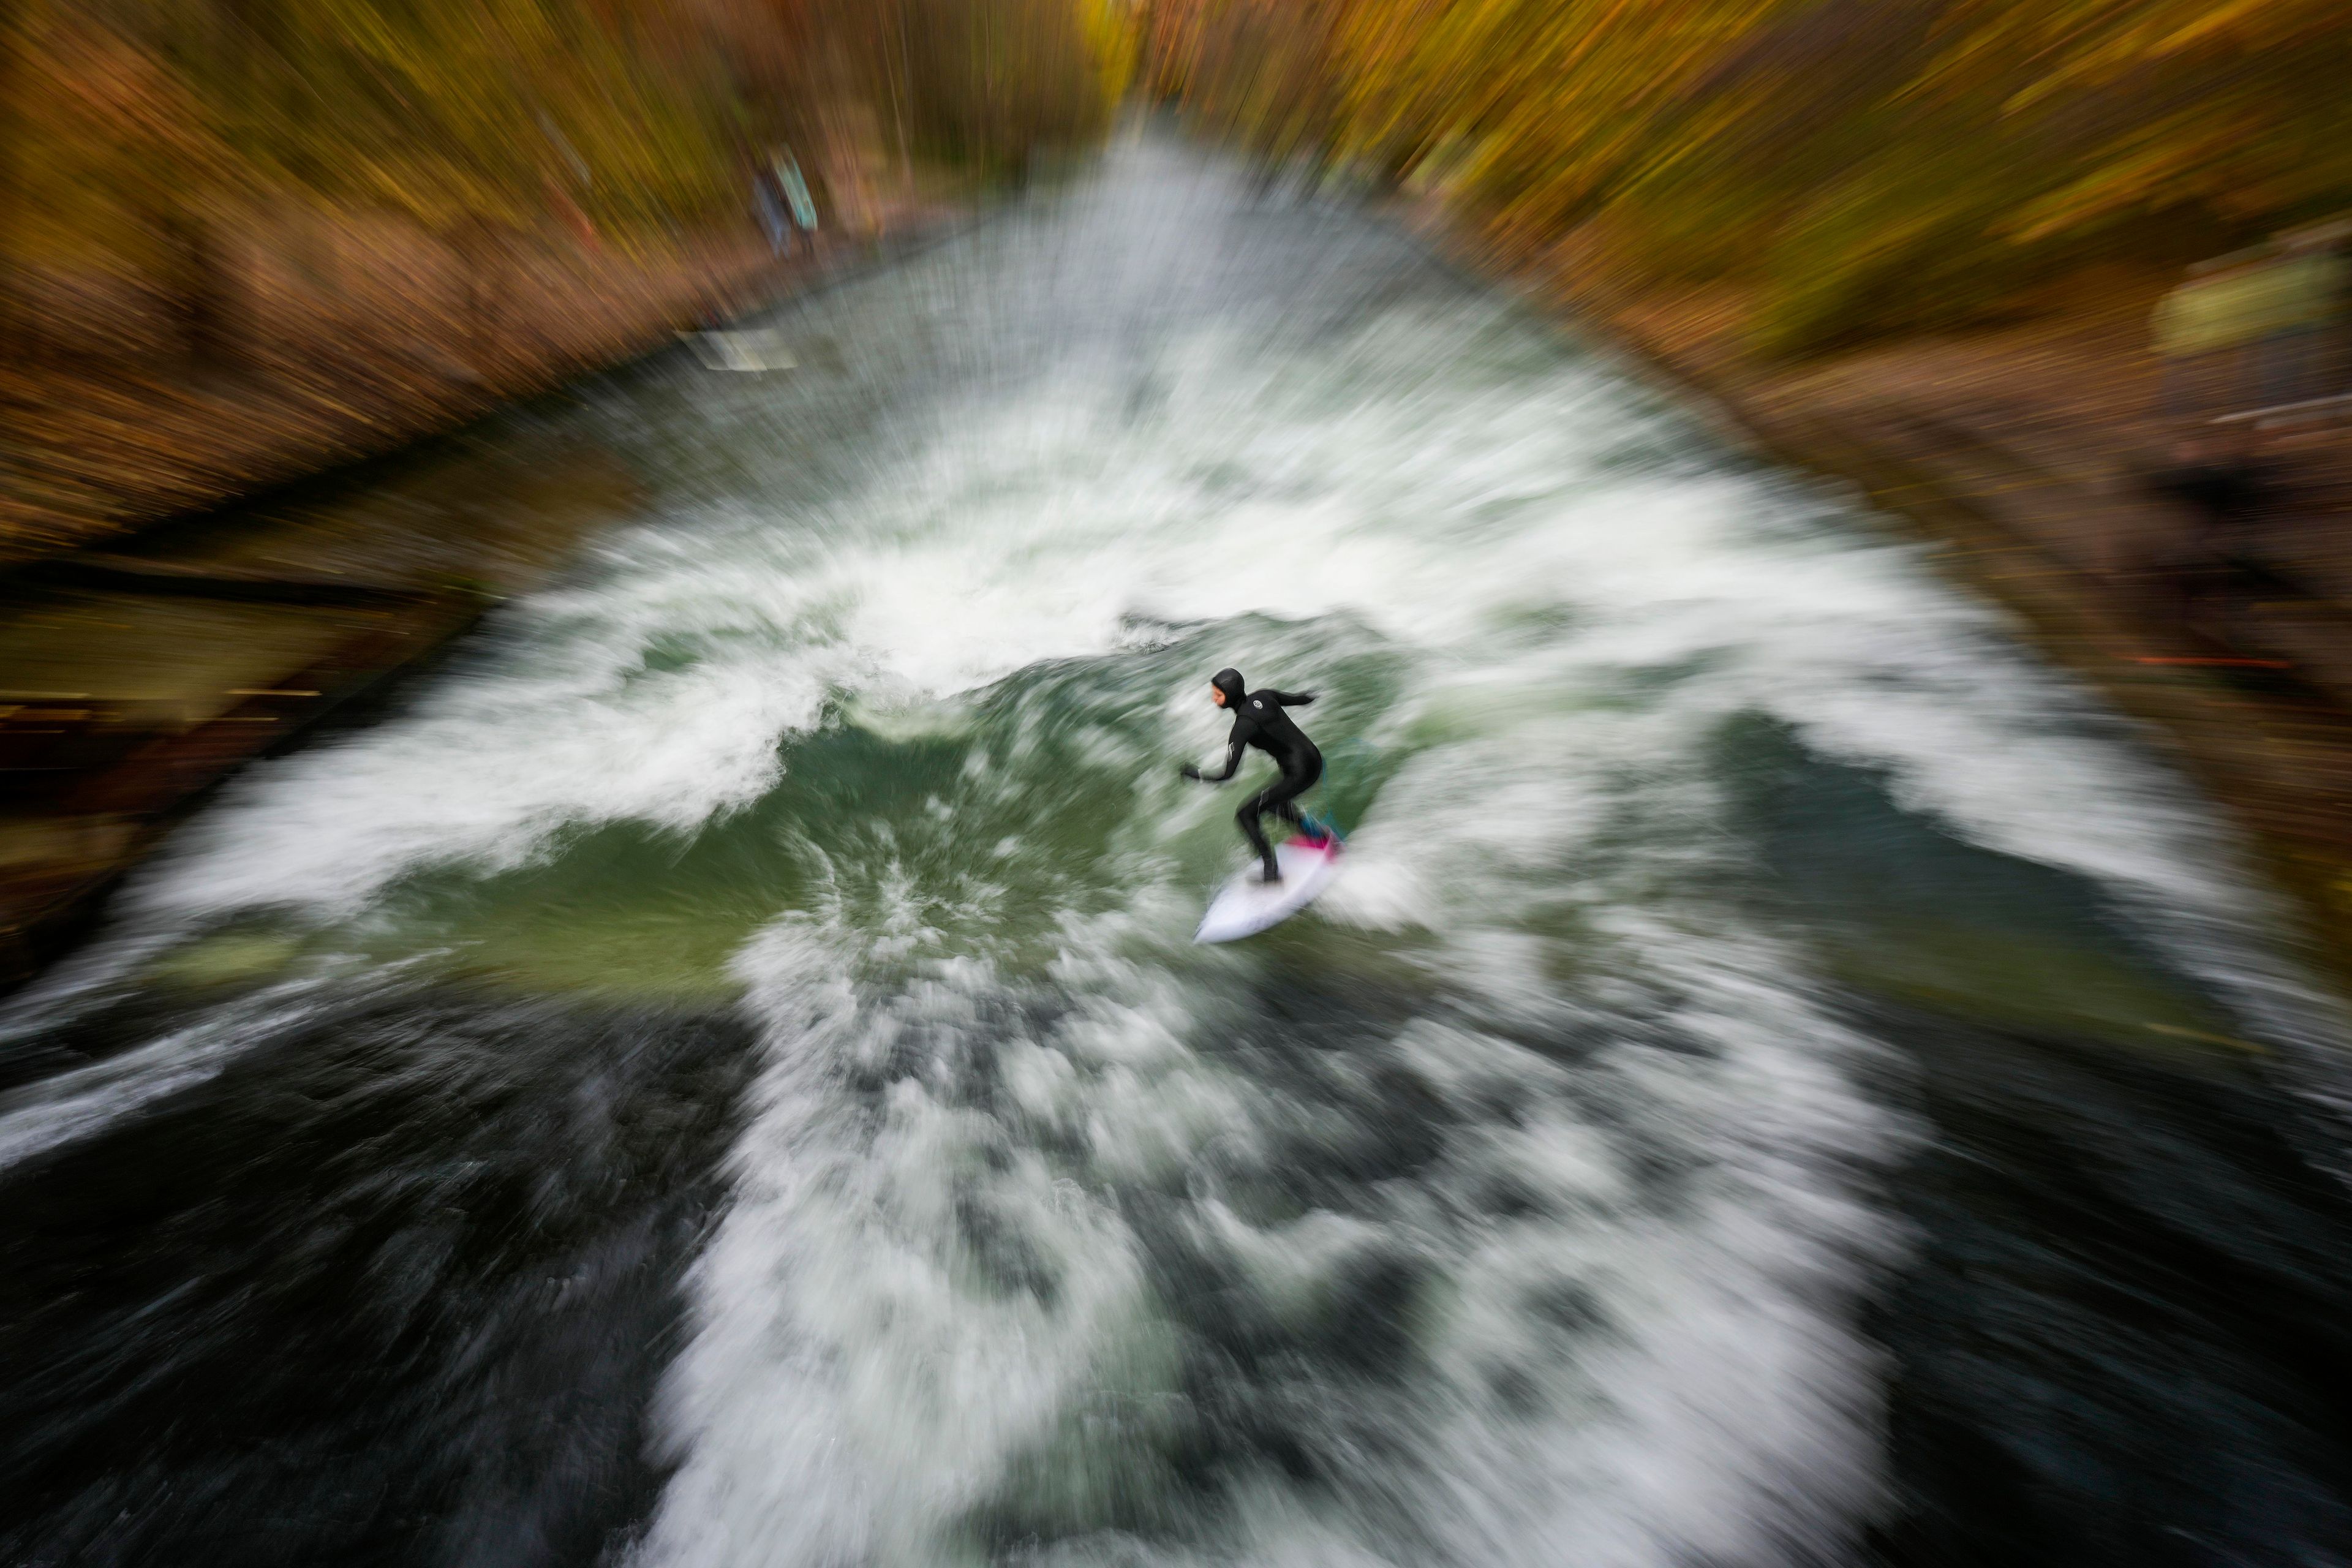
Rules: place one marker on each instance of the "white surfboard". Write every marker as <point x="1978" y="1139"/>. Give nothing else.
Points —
<point x="1248" y="906"/>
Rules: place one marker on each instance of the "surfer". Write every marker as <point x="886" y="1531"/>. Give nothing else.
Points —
<point x="1259" y="721"/>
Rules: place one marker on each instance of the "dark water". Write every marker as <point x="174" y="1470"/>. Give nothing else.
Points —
<point x="721" y="1074"/>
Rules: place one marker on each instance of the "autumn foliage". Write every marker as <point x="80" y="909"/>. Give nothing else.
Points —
<point x="141" y="144"/>
<point x="1857" y="166"/>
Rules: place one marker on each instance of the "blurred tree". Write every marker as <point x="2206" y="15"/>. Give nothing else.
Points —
<point x="987" y="83"/>
<point x="1863" y="165"/>
<point x="153" y="137"/>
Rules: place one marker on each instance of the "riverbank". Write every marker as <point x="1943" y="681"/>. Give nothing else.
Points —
<point x="106" y="444"/>
<point x="147" y="663"/>
<point x="2027" y="456"/>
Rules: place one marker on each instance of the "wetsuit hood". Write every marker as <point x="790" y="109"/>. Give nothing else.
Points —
<point x="1229" y="681"/>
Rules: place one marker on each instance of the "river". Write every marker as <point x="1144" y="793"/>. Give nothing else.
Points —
<point x="719" y="1074"/>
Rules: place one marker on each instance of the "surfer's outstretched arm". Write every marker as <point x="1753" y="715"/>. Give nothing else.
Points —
<point x="1233" y="760"/>
<point x="1285" y="699"/>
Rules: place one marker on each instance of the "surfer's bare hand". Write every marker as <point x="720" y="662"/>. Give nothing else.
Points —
<point x="1189" y="772"/>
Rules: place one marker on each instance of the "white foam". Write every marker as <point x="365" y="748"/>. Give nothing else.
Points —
<point x="1040" y="530"/>
<point x="862" y="1383"/>
<point x="70" y="1106"/>
<point x="932" y="1282"/>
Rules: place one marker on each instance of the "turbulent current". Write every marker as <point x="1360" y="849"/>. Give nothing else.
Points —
<point x="719" y="1075"/>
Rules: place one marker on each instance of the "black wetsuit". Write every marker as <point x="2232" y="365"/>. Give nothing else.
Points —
<point x="1259" y="721"/>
